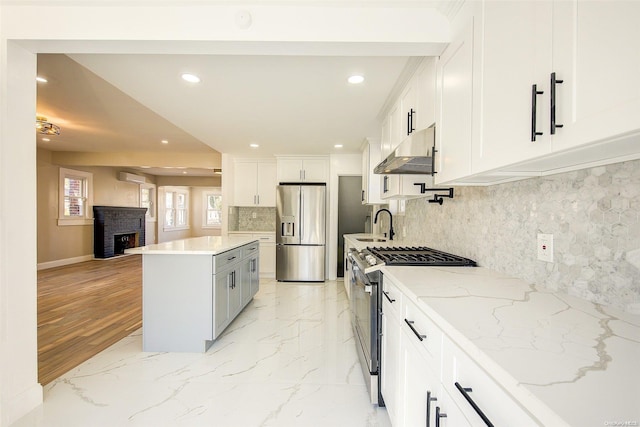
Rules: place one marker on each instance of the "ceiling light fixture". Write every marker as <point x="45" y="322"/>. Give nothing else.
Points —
<point x="45" y="127"/>
<point x="46" y="139"/>
<point x="41" y="80"/>
<point x="355" y="79"/>
<point x="191" y="78"/>
<point x="338" y="146"/>
<point x="254" y="145"/>
<point x="164" y="141"/>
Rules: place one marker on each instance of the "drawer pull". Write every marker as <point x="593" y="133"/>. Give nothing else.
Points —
<point x="465" y="393"/>
<point x="386" y="294"/>
<point x="439" y="415"/>
<point x="232" y="258"/>
<point x="418" y="334"/>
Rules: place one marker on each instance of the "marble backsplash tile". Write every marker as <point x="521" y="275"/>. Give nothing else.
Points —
<point x="242" y="219"/>
<point x="593" y="215"/>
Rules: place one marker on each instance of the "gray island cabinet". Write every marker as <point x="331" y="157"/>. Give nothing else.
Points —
<point x="192" y="289"/>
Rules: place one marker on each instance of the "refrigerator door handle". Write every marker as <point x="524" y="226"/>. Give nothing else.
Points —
<point x="301" y="214"/>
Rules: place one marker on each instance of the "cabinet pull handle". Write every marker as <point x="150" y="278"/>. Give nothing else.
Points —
<point x="232" y="258"/>
<point x="429" y="400"/>
<point x="362" y="200"/>
<point x="386" y="294"/>
<point x="465" y="393"/>
<point x="418" y="334"/>
<point x="534" y="105"/>
<point x="408" y="123"/>
<point x="258" y="199"/>
<point x="410" y="127"/>
<point x="385" y="186"/>
<point x="439" y="415"/>
<point x="554" y="81"/>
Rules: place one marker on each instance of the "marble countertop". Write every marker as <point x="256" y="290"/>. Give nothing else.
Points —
<point x="567" y="360"/>
<point x="251" y="232"/>
<point x="207" y="245"/>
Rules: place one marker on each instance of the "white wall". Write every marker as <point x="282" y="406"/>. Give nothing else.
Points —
<point x="142" y="27"/>
<point x="339" y="165"/>
<point x="19" y="388"/>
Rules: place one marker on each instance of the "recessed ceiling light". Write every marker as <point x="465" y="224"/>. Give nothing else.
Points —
<point x="191" y="78"/>
<point x="184" y="172"/>
<point x="41" y="79"/>
<point x="338" y="146"/>
<point x="355" y="79"/>
<point x="164" y="141"/>
<point x="254" y="145"/>
<point x="46" y="139"/>
<point x="145" y="167"/>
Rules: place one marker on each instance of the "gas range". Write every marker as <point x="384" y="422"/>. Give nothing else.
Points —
<point x="411" y="256"/>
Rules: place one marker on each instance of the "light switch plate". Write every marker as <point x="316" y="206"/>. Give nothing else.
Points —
<point x="545" y="247"/>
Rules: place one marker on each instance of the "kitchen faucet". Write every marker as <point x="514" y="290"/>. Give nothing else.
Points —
<point x="375" y="221"/>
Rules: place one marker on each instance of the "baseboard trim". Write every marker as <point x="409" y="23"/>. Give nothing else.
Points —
<point x="22" y="404"/>
<point x="66" y="261"/>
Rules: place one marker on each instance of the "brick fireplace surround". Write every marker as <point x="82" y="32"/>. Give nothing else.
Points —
<point x="111" y="221"/>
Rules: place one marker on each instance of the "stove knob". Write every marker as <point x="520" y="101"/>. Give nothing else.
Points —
<point x="371" y="259"/>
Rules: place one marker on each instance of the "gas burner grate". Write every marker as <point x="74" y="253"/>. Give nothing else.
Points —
<point x="419" y="255"/>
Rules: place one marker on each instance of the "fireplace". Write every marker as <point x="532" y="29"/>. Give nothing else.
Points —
<point x="117" y="228"/>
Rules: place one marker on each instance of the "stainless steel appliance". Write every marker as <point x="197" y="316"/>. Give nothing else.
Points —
<point x="300" y="233"/>
<point x="366" y="299"/>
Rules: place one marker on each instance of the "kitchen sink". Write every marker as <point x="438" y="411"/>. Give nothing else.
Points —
<point x="368" y="239"/>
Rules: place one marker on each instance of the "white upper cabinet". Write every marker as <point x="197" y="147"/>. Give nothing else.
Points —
<point x="425" y="88"/>
<point x="514" y="55"/>
<point x="370" y="181"/>
<point x="254" y="183"/>
<point x="596" y="53"/>
<point x="302" y="169"/>
<point x="455" y="109"/>
<point x="590" y="48"/>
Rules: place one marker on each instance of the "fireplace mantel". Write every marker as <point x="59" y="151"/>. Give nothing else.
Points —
<point x="115" y="220"/>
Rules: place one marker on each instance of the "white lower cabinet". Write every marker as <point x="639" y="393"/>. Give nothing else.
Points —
<point x="462" y="376"/>
<point x="267" y="265"/>
<point x="421" y="366"/>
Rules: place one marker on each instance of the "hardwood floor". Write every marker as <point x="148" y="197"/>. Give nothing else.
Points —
<point x="84" y="308"/>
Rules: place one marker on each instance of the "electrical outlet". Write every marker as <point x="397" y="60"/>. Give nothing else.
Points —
<point x="254" y="215"/>
<point x="545" y="247"/>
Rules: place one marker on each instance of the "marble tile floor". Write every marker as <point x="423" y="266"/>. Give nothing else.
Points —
<point x="288" y="359"/>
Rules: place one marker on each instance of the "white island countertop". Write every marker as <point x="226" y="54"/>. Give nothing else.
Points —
<point x="565" y="359"/>
<point x="207" y="245"/>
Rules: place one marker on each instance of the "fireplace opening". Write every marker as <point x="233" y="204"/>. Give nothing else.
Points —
<point x="124" y="241"/>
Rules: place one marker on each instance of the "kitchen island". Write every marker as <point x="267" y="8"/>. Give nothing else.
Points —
<point x="529" y="355"/>
<point x="192" y="289"/>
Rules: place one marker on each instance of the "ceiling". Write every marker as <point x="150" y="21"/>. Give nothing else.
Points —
<point x="285" y="104"/>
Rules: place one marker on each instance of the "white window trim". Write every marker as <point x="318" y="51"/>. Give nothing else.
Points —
<point x="152" y="213"/>
<point x="87" y="218"/>
<point x="205" y="196"/>
<point x="186" y="192"/>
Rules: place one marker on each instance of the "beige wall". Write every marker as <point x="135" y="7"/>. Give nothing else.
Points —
<point x="56" y="243"/>
<point x="73" y="241"/>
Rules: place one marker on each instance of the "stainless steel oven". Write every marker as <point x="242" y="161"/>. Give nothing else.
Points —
<point x="366" y="299"/>
<point x="365" y="320"/>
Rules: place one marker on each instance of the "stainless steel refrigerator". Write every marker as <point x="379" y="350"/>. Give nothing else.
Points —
<point x="300" y="234"/>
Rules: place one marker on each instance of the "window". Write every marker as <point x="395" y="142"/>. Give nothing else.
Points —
<point x="176" y="208"/>
<point x="212" y="212"/>
<point x="75" y="197"/>
<point x="148" y="200"/>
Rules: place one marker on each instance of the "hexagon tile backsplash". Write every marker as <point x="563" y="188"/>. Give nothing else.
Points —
<point x="593" y="214"/>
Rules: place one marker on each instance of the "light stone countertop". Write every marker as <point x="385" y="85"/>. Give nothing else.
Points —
<point x="567" y="360"/>
<point x="207" y="245"/>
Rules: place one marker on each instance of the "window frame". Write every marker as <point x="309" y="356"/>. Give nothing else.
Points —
<point x="152" y="210"/>
<point x="205" y="208"/>
<point x="87" y="217"/>
<point x="175" y="191"/>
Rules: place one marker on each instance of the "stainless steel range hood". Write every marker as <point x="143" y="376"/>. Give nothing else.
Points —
<point x="414" y="155"/>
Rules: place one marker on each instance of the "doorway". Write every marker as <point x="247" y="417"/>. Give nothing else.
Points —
<point x="352" y="214"/>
